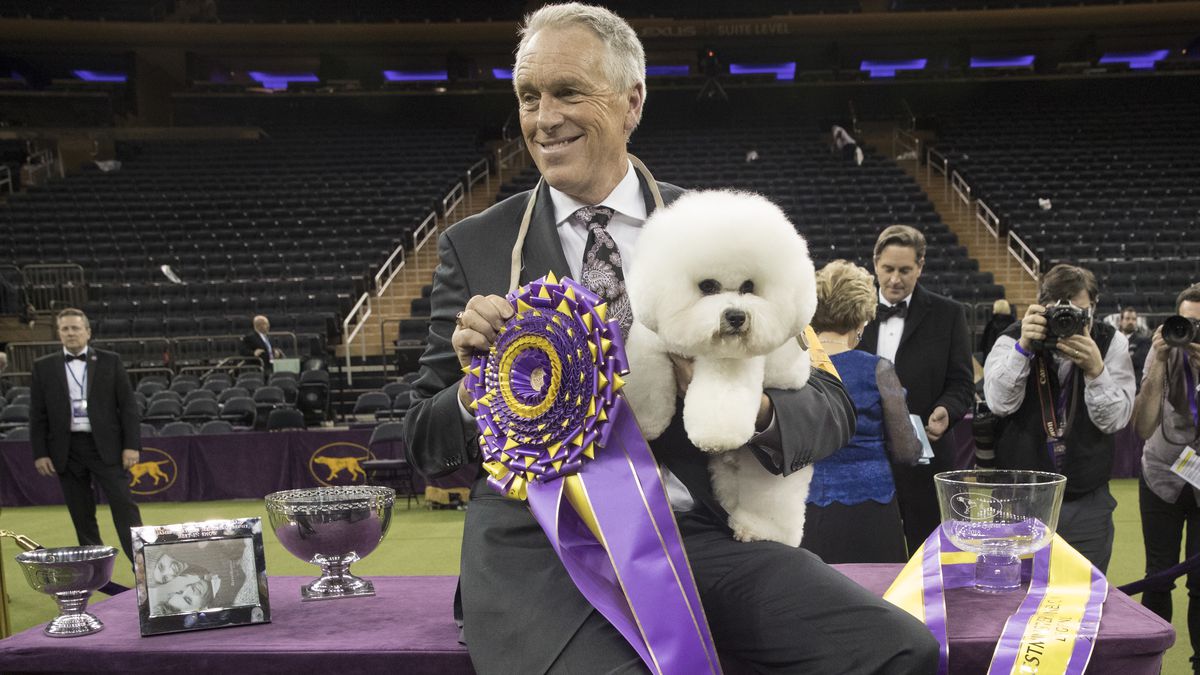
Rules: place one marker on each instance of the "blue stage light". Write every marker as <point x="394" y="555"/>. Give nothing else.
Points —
<point x="782" y="71"/>
<point x="1003" y="61"/>
<point x="281" y="80"/>
<point x="1136" y="60"/>
<point x="97" y="76"/>
<point x="889" y="68"/>
<point x="415" y="75"/>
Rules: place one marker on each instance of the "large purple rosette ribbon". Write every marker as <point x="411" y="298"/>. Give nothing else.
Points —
<point x="553" y="430"/>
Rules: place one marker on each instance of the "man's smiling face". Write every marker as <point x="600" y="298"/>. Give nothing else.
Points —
<point x="574" y="120"/>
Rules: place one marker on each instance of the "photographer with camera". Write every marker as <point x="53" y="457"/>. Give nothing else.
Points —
<point x="1060" y="385"/>
<point x="1165" y="414"/>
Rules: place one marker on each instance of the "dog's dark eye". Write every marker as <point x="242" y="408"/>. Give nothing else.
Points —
<point x="746" y="287"/>
<point x="710" y="287"/>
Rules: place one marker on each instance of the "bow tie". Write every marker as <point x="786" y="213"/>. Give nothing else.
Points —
<point x="75" y="357"/>
<point x="883" y="312"/>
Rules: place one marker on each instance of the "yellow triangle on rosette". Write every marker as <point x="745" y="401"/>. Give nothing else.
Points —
<point x="590" y="451"/>
<point x="617" y="382"/>
<point x="523" y="306"/>
<point x="569" y="293"/>
<point x="601" y="311"/>
<point x="542" y="293"/>
<point x="510" y="443"/>
<point x="601" y="380"/>
<point x="551" y="279"/>
<point x="564" y="308"/>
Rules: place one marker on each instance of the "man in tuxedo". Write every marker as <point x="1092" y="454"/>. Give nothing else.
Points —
<point x="580" y="85"/>
<point x="84" y="427"/>
<point x="258" y="343"/>
<point x="925" y="336"/>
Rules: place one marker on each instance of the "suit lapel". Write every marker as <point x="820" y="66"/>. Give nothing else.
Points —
<point x="918" y="308"/>
<point x="92" y="369"/>
<point x="870" y="338"/>
<point x="543" y="249"/>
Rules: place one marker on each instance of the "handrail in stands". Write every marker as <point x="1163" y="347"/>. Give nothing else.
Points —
<point x="942" y="166"/>
<point x="6" y="178"/>
<point x="359" y="313"/>
<point x="508" y="151"/>
<point x="478" y="171"/>
<point x="907" y="140"/>
<point x="424" y="231"/>
<point x="985" y="215"/>
<point x="451" y="201"/>
<point x="1024" y="255"/>
<point x="961" y="189"/>
<point x="388" y="270"/>
<point x="55" y="285"/>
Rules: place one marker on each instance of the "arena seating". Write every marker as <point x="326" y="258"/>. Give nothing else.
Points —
<point x="292" y="227"/>
<point x="1122" y="184"/>
<point x="839" y="207"/>
<point x="944" y="5"/>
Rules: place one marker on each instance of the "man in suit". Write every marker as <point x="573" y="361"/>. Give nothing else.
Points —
<point x="925" y="336"/>
<point x="258" y="343"/>
<point x="580" y="85"/>
<point x="84" y="427"/>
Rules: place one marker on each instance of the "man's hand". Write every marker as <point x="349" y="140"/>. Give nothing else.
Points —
<point x="129" y="458"/>
<point x="477" y="326"/>
<point x="259" y="352"/>
<point x="939" y="420"/>
<point x="1159" y="350"/>
<point x="278" y="353"/>
<point x="1083" y="352"/>
<point x="44" y="466"/>
<point x="1033" y="327"/>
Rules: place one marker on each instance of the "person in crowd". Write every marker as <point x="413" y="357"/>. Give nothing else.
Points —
<point x="580" y="87"/>
<point x="852" y="514"/>
<point x="1002" y="317"/>
<point x="1139" y="341"/>
<point x="1079" y="387"/>
<point x="85" y="429"/>
<point x="258" y="343"/>
<point x="925" y="336"/>
<point x="4" y="386"/>
<point x="1164" y="417"/>
<point x="845" y="145"/>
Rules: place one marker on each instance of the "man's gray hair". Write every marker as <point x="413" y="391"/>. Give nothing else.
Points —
<point x="625" y="64"/>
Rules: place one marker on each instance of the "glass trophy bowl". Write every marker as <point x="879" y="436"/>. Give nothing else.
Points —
<point x="332" y="527"/>
<point x="70" y="574"/>
<point x="999" y="515"/>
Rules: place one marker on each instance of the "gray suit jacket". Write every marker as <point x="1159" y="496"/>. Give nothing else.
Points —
<point x="506" y="559"/>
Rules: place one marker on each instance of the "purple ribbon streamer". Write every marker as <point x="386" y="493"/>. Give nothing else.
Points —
<point x="1191" y="388"/>
<point x="641" y="582"/>
<point x="637" y="575"/>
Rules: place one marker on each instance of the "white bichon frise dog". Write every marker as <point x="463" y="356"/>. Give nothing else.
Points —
<point x="723" y="278"/>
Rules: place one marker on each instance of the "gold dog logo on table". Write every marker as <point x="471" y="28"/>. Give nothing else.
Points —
<point x="339" y="463"/>
<point x="155" y="473"/>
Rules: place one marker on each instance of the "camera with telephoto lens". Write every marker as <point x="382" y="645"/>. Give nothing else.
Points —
<point x="1180" y="331"/>
<point x="1064" y="320"/>
<point x="983" y="430"/>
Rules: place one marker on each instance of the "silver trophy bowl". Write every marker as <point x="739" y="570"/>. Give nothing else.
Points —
<point x="332" y="527"/>
<point x="70" y="574"/>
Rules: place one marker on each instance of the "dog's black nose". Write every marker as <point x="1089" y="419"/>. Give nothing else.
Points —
<point x="736" y="318"/>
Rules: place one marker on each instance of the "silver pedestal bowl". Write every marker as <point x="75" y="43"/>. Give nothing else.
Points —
<point x="70" y="574"/>
<point x="332" y="527"/>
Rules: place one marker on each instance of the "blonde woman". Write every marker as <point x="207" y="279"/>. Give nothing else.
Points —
<point x="852" y="514"/>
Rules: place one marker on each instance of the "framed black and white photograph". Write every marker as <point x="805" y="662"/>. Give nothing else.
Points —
<point x="193" y="576"/>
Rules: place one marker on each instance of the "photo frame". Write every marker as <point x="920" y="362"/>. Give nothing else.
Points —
<point x="195" y="576"/>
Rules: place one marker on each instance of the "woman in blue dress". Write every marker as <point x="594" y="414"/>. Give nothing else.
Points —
<point x="852" y="515"/>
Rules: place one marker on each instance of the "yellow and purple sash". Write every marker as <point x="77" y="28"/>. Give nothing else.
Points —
<point x="1053" y="629"/>
<point x="554" y="431"/>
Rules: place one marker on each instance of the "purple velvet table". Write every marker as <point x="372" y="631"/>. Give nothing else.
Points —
<point x="407" y="628"/>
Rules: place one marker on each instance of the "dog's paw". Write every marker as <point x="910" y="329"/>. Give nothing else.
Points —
<point x="743" y="531"/>
<point x="715" y="429"/>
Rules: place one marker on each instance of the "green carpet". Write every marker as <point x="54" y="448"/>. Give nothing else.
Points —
<point x="425" y="542"/>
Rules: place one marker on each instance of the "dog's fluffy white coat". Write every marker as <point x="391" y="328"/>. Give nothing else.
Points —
<point x="736" y="240"/>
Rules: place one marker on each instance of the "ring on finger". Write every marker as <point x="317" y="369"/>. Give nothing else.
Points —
<point x="458" y="319"/>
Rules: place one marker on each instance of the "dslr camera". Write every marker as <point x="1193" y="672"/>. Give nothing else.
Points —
<point x="1064" y="320"/>
<point x="1180" y="331"/>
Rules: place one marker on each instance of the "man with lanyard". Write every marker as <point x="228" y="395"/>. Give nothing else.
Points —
<point x="84" y="426"/>
<point x="1165" y="414"/>
<point x="580" y="85"/>
<point x="1059" y="407"/>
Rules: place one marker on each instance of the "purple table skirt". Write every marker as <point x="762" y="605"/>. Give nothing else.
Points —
<point x="407" y="628"/>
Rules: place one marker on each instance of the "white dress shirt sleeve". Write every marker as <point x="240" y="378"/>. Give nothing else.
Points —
<point x="1109" y="397"/>
<point x="1004" y="374"/>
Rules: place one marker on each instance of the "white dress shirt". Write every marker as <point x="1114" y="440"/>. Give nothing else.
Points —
<point x="270" y="355"/>
<point x="1108" y="397"/>
<point x="77" y="374"/>
<point x="890" y="331"/>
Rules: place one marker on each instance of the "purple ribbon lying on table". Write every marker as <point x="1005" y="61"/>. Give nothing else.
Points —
<point x="553" y="430"/>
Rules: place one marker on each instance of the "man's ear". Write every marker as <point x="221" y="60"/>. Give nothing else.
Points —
<point x="635" y="98"/>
